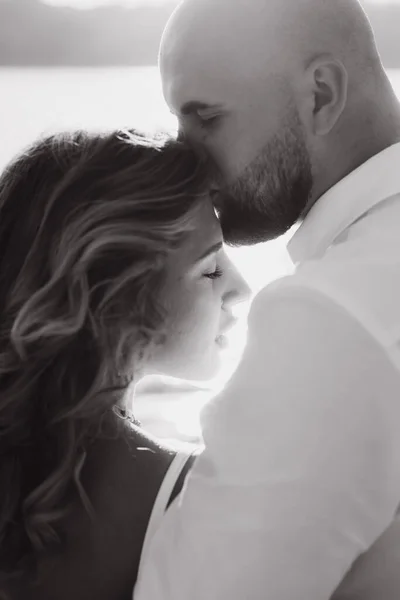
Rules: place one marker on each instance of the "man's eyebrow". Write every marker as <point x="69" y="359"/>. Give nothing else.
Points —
<point x="213" y="249"/>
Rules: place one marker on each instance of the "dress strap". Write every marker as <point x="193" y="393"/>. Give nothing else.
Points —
<point x="163" y="498"/>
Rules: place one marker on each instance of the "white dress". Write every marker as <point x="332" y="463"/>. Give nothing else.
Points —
<point x="162" y="501"/>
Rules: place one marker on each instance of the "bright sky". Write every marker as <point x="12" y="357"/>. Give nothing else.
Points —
<point x="91" y="3"/>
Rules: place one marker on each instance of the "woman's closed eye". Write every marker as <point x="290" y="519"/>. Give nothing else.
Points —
<point x="216" y="274"/>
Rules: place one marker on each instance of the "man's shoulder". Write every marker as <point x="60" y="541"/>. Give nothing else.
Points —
<point x="366" y="288"/>
<point x="376" y="573"/>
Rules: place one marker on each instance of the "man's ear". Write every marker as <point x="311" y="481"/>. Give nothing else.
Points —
<point x="328" y="84"/>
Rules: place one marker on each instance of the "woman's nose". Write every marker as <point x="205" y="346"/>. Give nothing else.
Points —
<point x="238" y="289"/>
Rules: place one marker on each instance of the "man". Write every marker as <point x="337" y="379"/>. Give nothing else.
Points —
<point x="300" y="476"/>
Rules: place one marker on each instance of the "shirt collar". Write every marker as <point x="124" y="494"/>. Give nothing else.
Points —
<point x="342" y="205"/>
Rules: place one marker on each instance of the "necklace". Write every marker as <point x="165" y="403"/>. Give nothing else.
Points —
<point x="126" y="415"/>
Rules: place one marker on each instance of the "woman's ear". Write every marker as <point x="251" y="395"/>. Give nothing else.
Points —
<point x="328" y="81"/>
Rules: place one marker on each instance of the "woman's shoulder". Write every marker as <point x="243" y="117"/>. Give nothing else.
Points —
<point x="100" y="558"/>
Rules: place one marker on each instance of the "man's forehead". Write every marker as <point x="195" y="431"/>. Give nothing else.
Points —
<point x="212" y="79"/>
<point x="189" y="90"/>
<point x="209" y="66"/>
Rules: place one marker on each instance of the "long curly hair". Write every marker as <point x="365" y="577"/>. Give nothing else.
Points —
<point x="86" y="223"/>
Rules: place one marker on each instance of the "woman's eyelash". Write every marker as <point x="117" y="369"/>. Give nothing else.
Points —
<point x="215" y="274"/>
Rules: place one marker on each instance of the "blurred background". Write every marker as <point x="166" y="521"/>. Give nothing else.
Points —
<point x="93" y="64"/>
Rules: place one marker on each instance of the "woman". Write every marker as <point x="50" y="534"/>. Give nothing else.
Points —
<point x="111" y="268"/>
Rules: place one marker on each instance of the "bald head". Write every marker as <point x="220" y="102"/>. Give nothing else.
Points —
<point x="268" y="35"/>
<point x="246" y="77"/>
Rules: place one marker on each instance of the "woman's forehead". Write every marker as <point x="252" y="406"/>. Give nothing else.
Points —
<point x="205" y="233"/>
<point x="207" y="228"/>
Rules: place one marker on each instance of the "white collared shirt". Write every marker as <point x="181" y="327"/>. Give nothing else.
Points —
<point x="300" y="475"/>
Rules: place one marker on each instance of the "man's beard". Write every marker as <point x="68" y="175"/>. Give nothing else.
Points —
<point x="272" y="193"/>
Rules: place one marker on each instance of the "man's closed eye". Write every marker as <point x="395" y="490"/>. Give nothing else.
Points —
<point x="207" y="121"/>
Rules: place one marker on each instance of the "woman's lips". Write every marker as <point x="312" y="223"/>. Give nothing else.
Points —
<point x="222" y="338"/>
<point x="228" y="326"/>
<point x="222" y="341"/>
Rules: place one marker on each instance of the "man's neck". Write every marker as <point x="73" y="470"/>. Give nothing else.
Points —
<point x="337" y="170"/>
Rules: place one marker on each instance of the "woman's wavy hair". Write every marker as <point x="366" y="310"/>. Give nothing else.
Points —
<point x="86" y="223"/>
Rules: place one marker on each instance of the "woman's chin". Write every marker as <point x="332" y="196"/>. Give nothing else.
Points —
<point x="207" y="374"/>
<point x="214" y="364"/>
<point x="202" y="368"/>
<point x="222" y="342"/>
<point x="205" y="370"/>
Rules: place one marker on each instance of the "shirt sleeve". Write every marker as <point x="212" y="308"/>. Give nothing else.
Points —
<point x="300" y="471"/>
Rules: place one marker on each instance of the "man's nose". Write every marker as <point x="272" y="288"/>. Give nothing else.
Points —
<point x="181" y="135"/>
<point x="188" y="136"/>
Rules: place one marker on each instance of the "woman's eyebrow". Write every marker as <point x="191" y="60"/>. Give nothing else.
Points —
<point x="213" y="249"/>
